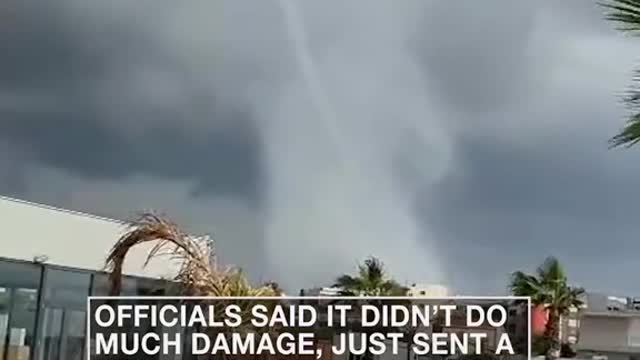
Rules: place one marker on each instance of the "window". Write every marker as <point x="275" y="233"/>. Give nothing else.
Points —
<point x="17" y="274"/>
<point x="4" y="316"/>
<point x="19" y="286"/>
<point x="50" y="334"/>
<point x="66" y="289"/>
<point x="572" y="323"/>
<point x="101" y="286"/>
<point x="72" y="341"/>
<point x="63" y="316"/>
<point x="132" y="286"/>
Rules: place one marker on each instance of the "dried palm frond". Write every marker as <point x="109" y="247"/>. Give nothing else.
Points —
<point x="197" y="275"/>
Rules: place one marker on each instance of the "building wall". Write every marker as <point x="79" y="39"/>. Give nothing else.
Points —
<point x="604" y="333"/>
<point x="69" y="239"/>
<point x="634" y="332"/>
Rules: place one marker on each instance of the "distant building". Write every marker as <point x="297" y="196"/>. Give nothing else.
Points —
<point x="610" y="326"/>
<point x="330" y="291"/>
<point x="428" y="290"/>
<point x="321" y="291"/>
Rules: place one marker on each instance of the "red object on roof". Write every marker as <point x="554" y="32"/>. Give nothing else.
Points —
<point x="539" y="319"/>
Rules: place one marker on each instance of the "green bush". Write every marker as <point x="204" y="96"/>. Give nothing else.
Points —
<point x="540" y="345"/>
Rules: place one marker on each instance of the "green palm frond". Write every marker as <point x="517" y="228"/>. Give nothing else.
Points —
<point x="371" y="279"/>
<point x="348" y="281"/>
<point x="523" y="284"/>
<point x="547" y="287"/>
<point x="392" y="288"/>
<point x="630" y="134"/>
<point x="551" y="271"/>
<point x="626" y="13"/>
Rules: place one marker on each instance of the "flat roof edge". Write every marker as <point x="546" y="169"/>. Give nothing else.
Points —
<point x="63" y="210"/>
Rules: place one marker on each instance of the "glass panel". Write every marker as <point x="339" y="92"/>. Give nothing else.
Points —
<point x="134" y="286"/>
<point x="22" y="322"/>
<point x="51" y="325"/>
<point x="5" y="295"/>
<point x="17" y="274"/>
<point x="64" y="301"/>
<point x="72" y="344"/>
<point x="66" y="289"/>
<point x="19" y="284"/>
<point x="101" y="286"/>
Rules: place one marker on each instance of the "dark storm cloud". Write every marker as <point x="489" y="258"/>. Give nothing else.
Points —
<point x="519" y="206"/>
<point x="475" y="51"/>
<point x="482" y="56"/>
<point x="513" y="183"/>
<point x="65" y="81"/>
<point x="527" y="89"/>
<point x="534" y="93"/>
<point x="226" y="162"/>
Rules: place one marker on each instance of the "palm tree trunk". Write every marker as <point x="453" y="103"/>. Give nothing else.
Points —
<point x="552" y="335"/>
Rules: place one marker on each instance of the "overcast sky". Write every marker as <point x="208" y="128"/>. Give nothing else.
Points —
<point x="458" y="141"/>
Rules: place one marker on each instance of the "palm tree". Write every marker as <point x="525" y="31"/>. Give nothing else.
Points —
<point x="370" y="280"/>
<point x="548" y="288"/>
<point x="626" y="14"/>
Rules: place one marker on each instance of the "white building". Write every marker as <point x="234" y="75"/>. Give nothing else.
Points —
<point x="610" y="325"/>
<point x="68" y="238"/>
<point x="431" y="290"/>
<point x="50" y="261"/>
<point x="323" y="291"/>
<point x="609" y="332"/>
<point x="330" y="291"/>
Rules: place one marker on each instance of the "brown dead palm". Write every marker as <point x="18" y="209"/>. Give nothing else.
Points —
<point x="197" y="274"/>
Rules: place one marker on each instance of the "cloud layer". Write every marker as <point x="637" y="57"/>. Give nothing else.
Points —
<point x="474" y="134"/>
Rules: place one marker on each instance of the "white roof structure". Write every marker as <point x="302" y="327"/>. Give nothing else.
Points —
<point x="69" y="238"/>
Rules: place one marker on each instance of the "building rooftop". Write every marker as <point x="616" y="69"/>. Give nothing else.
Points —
<point x="42" y="233"/>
